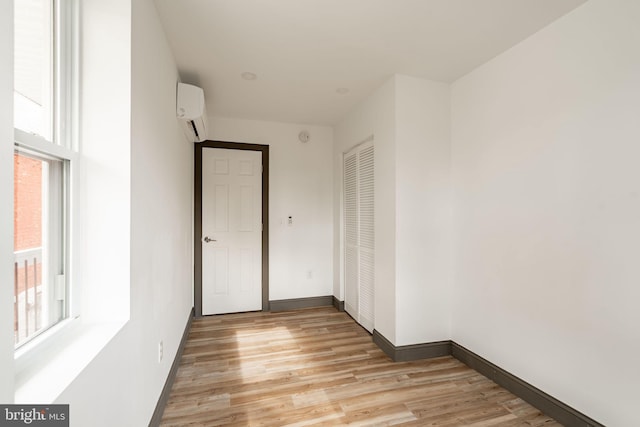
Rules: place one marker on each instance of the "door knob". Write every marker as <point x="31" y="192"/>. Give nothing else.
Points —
<point x="207" y="239"/>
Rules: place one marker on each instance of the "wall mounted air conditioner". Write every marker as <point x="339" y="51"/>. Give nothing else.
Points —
<point x="190" y="109"/>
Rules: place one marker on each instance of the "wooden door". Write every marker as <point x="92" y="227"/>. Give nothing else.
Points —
<point x="231" y="230"/>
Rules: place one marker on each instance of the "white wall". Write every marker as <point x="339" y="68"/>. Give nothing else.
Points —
<point x="161" y="207"/>
<point x="423" y="211"/>
<point x="101" y="227"/>
<point x="300" y="186"/>
<point x="126" y="375"/>
<point x="6" y="201"/>
<point x="547" y="210"/>
<point x="409" y="120"/>
<point x="374" y="117"/>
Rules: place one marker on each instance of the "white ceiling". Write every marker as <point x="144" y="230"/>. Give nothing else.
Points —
<point x="303" y="50"/>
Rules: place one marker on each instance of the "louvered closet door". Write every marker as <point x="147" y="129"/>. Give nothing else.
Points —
<point x="351" y="233"/>
<point x="359" y="241"/>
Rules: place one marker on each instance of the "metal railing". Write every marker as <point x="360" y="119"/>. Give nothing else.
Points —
<point x="28" y="289"/>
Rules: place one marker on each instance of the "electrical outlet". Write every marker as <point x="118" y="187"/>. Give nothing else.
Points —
<point x="160" y="351"/>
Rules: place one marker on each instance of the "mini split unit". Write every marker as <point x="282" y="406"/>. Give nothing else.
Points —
<point x="190" y="109"/>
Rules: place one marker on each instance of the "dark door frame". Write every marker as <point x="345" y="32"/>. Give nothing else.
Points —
<point x="197" y="241"/>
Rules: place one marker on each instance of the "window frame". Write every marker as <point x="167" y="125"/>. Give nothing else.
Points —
<point x="63" y="146"/>
<point x="66" y="74"/>
<point x="39" y="147"/>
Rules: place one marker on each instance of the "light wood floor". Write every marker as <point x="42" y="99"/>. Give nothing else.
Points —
<point x="318" y="367"/>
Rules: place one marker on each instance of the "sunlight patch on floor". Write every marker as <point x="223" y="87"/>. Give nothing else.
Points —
<point x="254" y="344"/>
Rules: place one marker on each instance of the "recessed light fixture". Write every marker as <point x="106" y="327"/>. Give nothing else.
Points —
<point x="342" y="90"/>
<point x="248" y="76"/>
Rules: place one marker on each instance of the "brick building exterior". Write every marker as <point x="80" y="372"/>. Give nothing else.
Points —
<point x="27" y="226"/>
<point x="27" y="203"/>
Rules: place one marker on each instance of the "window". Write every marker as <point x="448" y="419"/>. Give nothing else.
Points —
<point x="44" y="97"/>
<point x="33" y="67"/>
<point x="39" y="284"/>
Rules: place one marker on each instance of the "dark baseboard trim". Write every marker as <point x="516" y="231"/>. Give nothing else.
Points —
<point x="166" y="390"/>
<point x="406" y="353"/>
<point x="297" y="303"/>
<point x="339" y="305"/>
<point x="384" y="344"/>
<point x="547" y="404"/>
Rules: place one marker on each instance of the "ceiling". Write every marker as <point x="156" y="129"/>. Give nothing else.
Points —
<point x="304" y="51"/>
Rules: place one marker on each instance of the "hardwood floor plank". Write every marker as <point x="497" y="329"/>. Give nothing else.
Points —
<point x="315" y="367"/>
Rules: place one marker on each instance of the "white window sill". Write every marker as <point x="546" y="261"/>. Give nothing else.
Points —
<point x="46" y="368"/>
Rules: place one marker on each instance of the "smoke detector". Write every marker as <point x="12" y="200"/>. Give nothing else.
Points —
<point x="304" y="136"/>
